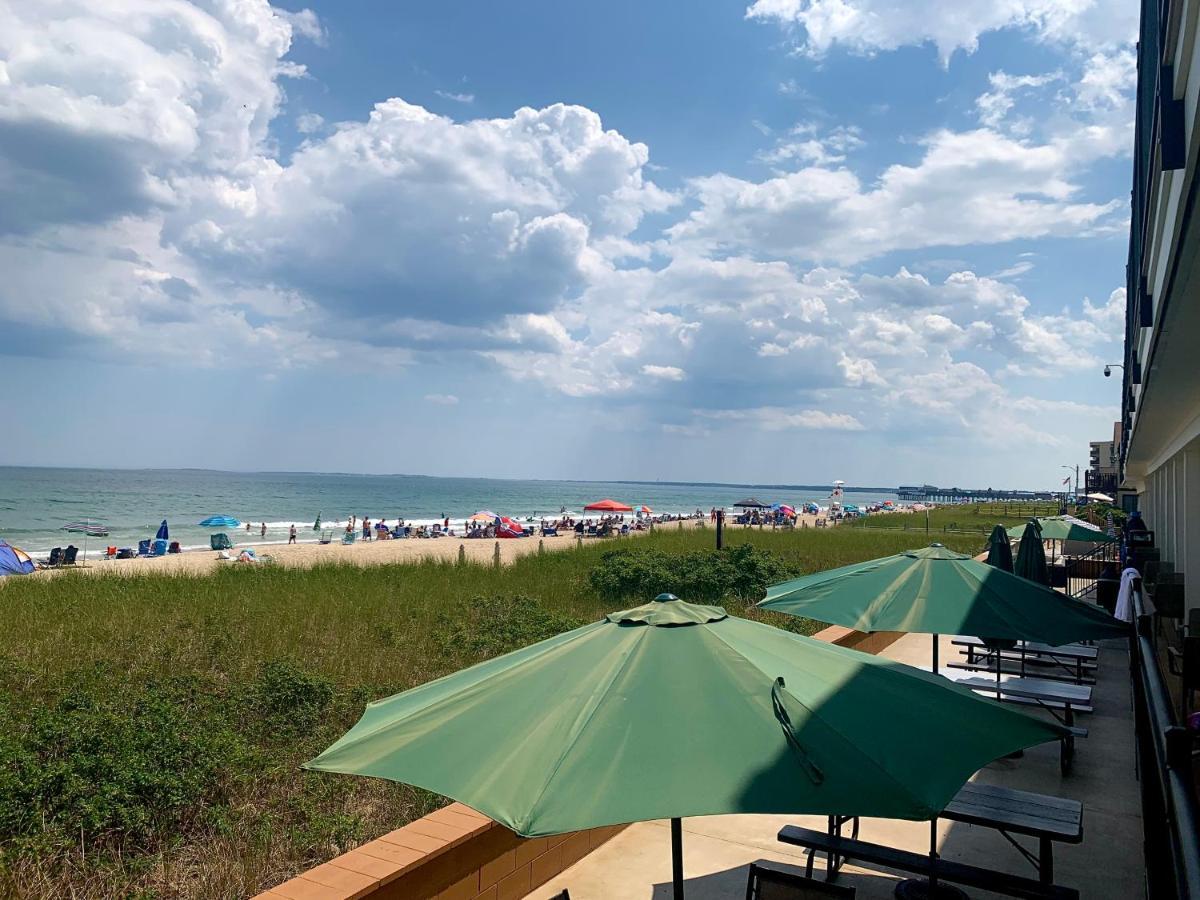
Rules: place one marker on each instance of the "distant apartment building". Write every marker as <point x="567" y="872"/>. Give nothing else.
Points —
<point x="1104" y="472"/>
<point x="1159" y="445"/>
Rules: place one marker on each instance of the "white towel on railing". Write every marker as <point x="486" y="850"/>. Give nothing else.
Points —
<point x="1124" y="610"/>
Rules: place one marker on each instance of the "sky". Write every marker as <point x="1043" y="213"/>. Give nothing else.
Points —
<point x="789" y="241"/>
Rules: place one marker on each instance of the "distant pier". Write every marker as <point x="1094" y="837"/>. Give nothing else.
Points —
<point x="928" y="493"/>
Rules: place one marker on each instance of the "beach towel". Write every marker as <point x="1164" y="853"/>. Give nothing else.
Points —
<point x="1124" y="610"/>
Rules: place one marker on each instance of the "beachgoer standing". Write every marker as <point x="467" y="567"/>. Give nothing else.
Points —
<point x="292" y="535"/>
<point x="262" y="532"/>
<point x="247" y="528"/>
<point x="366" y="529"/>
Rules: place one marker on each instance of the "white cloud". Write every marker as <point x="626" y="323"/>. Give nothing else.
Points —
<point x="442" y="399"/>
<point x="667" y="373"/>
<point x="456" y="97"/>
<point x="969" y="188"/>
<point x="996" y="103"/>
<point x="867" y="26"/>
<point x="309" y="123"/>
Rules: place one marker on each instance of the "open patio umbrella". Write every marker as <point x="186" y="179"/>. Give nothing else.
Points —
<point x="593" y="727"/>
<point x="1000" y="549"/>
<point x="220" y="522"/>
<point x="937" y="591"/>
<point x="484" y="515"/>
<point x="1031" y="555"/>
<point x="1063" y="528"/>
<point x="164" y="533"/>
<point x="1096" y="495"/>
<point x="607" y="505"/>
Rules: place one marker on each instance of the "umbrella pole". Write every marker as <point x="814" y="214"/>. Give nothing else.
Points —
<point x="677" y="857"/>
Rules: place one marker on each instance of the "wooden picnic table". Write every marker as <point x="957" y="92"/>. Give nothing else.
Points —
<point x="1078" y="661"/>
<point x="1048" y="819"/>
<point x="1050" y="696"/>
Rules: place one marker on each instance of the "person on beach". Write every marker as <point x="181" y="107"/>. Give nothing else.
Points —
<point x="262" y="532"/>
<point x="366" y="529"/>
<point x="292" y="535"/>
<point x="247" y="528"/>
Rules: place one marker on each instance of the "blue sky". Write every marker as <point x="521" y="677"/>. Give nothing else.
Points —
<point x="792" y="241"/>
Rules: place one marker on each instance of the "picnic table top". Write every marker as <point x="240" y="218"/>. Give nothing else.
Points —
<point x="1033" y="688"/>
<point x="1073" y="651"/>
<point x="1020" y="812"/>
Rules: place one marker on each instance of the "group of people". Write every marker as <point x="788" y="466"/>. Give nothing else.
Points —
<point x="380" y="531"/>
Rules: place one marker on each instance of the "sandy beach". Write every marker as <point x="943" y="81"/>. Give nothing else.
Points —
<point x="369" y="553"/>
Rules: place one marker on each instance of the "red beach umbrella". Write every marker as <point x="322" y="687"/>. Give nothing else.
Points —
<point x="607" y="505"/>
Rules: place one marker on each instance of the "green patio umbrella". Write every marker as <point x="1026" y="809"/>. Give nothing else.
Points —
<point x="1000" y="549"/>
<point x="937" y="591"/>
<point x="1031" y="555"/>
<point x="673" y="709"/>
<point x="1063" y="528"/>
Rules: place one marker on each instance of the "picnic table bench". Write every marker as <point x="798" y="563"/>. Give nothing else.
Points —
<point x="1011" y="812"/>
<point x="1077" y="661"/>
<point x="1051" y="696"/>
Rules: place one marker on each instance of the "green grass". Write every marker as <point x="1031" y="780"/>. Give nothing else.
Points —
<point x="970" y="518"/>
<point x="152" y="727"/>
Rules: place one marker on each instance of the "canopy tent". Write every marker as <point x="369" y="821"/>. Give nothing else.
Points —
<point x="1000" y="549"/>
<point x="163" y="533"/>
<point x="1063" y="528"/>
<point x="1031" y="555"/>
<point x="789" y="725"/>
<point x="607" y="505"/>
<point x="936" y="591"/>
<point x="752" y="503"/>
<point x="220" y="522"/>
<point x="14" y="560"/>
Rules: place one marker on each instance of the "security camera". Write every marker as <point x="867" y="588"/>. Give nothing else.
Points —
<point x="1108" y="371"/>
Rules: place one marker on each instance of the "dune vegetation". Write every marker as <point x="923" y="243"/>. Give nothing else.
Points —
<point x="152" y="727"/>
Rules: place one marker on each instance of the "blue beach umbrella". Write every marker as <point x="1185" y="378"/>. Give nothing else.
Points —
<point x="220" y="522"/>
<point x="163" y="533"/>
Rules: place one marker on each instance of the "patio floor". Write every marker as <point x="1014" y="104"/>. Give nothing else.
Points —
<point x="717" y="849"/>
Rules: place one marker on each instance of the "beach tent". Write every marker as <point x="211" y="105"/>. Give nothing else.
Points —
<point x="607" y="505"/>
<point x="164" y="533"/>
<point x="508" y="528"/>
<point x="789" y="725"/>
<point x="220" y="522"/>
<point x="14" y="560"/>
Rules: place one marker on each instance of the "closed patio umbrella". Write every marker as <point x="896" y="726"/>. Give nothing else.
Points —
<point x="1000" y="549"/>
<point x="164" y="533"/>
<point x="1031" y="555"/>
<point x="595" y="727"/>
<point x="937" y="591"/>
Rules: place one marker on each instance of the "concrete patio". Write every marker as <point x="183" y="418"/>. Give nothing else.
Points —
<point x="717" y="849"/>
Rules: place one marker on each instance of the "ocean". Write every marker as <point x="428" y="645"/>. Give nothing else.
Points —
<point x="35" y="503"/>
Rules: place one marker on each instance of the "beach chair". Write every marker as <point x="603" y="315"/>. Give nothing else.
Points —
<point x="144" y="547"/>
<point x="220" y="541"/>
<point x="68" y="557"/>
<point x="174" y="548"/>
<point x="349" y="537"/>
<point x="773" y="884"/>
<point x="158" y="548"/>
<point x="55" y="558"/>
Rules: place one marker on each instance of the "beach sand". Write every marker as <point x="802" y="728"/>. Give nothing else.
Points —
<point x="369" y="553"/>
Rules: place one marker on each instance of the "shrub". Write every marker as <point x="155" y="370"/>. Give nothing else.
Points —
<point x="287" y="700"/>
<point x="742" y="572"/>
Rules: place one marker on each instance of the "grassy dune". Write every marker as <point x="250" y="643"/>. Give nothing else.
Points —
<point x="151" y="727"/>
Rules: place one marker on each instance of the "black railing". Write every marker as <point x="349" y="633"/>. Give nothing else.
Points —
<point x="1085" y="572"/>
<point x="1170" y="813"/>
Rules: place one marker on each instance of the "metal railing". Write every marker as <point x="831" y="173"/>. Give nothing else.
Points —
<point x="1170" y="813"/>
<point x="1083" y="572"/>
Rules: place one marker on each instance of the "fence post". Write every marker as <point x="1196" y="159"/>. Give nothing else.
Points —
<point x="496" y="555"/>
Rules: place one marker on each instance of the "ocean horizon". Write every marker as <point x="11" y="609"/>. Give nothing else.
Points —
<point x="35" y="502"/>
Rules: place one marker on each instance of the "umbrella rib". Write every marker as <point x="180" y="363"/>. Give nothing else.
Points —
<point x="582" y="723"/>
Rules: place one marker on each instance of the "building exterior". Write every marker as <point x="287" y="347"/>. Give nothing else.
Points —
<point x="1160" y="410"/>
<point x="1103" y="475"/>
